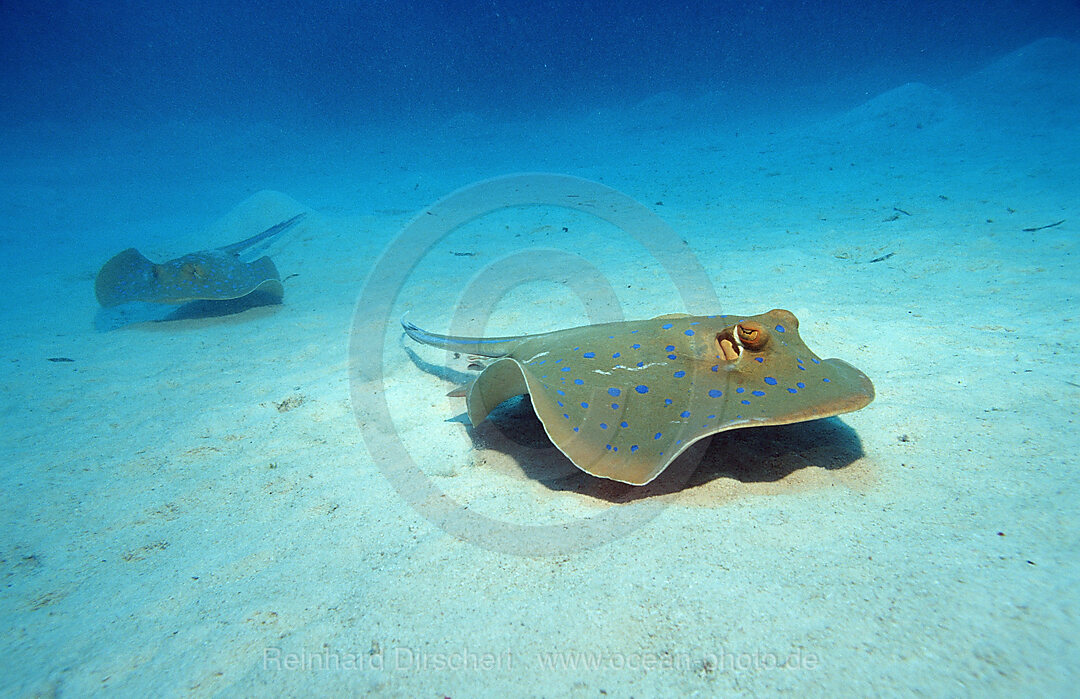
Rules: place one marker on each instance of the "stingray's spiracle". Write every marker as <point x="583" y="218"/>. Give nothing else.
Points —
<point x="728" y="346"/>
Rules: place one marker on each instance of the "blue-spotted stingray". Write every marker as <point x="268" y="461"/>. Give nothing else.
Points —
<point x="207" y="275"/>
<point x="623" y="400"/>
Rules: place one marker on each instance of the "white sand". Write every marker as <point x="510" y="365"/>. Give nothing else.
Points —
<point x="167" y="528"/>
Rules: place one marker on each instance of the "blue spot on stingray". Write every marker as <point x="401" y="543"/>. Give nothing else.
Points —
<point x="540" y="362"/>
<point x="608" y="447"/>
<point x="614" y="449"/>
<point x="793" y="390"/>
<point x="584" y="404"/>
<point x="658" y="435"/>
<point x="669" y="348"/>
<point x="802" y="368"/>
<point x="566" y="416"/>
<point x="560" y="403"/>
<point x="641" y="364"/>
<point x="799" y="360"/>
<point x="558" y="360"/>
<point x="759" y="394"/>
<point x="566" y="368"/>
<point x="688" y="332"/>
<point x="685" y="413"/>
<point x="616" y="355"/>
<point x="740" y="389"/>
<point x="672" y="356"/>
<point x="759" y="360"/>
<point x="577" y="429"/>
<point x="614" y="406"/>
<point x="641" y="388"/>
<point x="603" y="425"/>
<point x="745" y="402"/>
<point x="635" y="346"/>
<point x="696" y="322"/>
<point x="589" y="355"/>
<point x="560" y="392"/>
<point x="667" y="401"/>
<point x="579" y="382"/>
<point x="710" y="417"/>
<point x="801" y="384"/>
<point x="679" y="374"/>
<point x="713" y="393"/>
<point x="624" y="423"/>
<point x="575" y="349"/>
<point x="815" y="360"/>
<point x="779" y="328"/>
<point x="614" y="391"/>
<point x="770" y="380"/>
<point x="633" y="448"/>
<point x="667" y="326"/>
<point x="716" y="367"/>
<point x="826" y="380"/>
<point x="634" y="331"/>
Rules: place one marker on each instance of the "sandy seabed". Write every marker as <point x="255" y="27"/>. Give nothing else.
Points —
<point x="212" y="504"/>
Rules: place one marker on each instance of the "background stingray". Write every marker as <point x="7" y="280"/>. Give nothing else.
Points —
<point x="623" y="400"/>
<point x="208" y="275"/>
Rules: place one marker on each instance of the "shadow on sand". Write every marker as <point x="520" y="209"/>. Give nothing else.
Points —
<point x="139" y="313"/>
<point x="754" y="455"/>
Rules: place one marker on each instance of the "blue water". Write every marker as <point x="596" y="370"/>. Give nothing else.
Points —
<point x="263" y="498"/>
<point x="334" y="61"/>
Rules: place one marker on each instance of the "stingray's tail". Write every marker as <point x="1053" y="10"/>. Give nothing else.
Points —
<point x="237" y="248"/>
<point x="480" y="346"/>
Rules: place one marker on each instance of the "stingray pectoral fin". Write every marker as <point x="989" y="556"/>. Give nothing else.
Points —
<point x="500" y="380"/>
<point x="856" y="390"/>
<point x="847" y="390"/>
<point x="265" y="269"/>
<point x="506" y="378"/>
<point x="127" y="276"/>
<point x="273" y="289"/>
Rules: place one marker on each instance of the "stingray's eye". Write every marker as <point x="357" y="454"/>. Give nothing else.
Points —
<point x="752" y="335"/>
<point x="732" y="340"/>
<point x="191" y="270"/>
